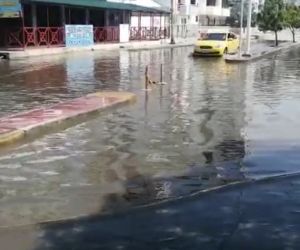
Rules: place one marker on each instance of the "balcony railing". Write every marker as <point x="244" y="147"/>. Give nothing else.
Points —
<point x="217" y="11"/>
<point x="203" y="9"/>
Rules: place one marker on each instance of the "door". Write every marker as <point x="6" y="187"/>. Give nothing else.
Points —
<point x="231" y="41"/>
<point x="235" y="43"/>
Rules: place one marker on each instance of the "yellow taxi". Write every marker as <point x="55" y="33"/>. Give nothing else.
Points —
<point x="216" y="44"/>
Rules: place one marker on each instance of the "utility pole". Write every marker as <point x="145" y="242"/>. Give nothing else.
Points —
<point x="249" y="21"/>
<point x="172" y="22"/>
<point x="241" y="27"/>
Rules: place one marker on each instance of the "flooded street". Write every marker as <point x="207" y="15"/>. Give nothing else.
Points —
<point x="213" y="123"/>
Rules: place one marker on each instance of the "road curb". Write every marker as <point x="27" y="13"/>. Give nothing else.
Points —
<point x="11" y="136"/>
<point x="60" y="116"/>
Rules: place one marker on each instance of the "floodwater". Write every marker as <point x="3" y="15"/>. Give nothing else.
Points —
<point x="213" y="123"/>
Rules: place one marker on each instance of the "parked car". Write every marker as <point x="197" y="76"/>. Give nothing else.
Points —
<point x="216" y="44"/>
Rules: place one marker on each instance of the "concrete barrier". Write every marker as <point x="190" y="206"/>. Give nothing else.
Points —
<point x="18" y="126"/>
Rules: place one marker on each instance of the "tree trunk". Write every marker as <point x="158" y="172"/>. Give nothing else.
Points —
<point x="276" y="38"/>
<point x="292" y="29"/>
<point x="294" y="36"/>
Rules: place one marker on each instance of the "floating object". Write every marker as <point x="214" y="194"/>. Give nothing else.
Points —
<point x="162" y="83"/>
<point x="152" y="82"/>
<point x="148" y="81"/>
<point x="42" y="120"/>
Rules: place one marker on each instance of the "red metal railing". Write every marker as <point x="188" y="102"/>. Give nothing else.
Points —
<point x="106" y="34"/>
<point x="148" y="33"/>
<point x="55" y="36"/>
<point x="35" y="36"/>
<point x="14" y="38"/>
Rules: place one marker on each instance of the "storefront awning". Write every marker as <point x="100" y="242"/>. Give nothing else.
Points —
<point x="101" y="4"/>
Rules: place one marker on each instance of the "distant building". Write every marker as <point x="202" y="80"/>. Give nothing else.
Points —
<point x="144" y="3"/>
<point x="202" y="12"/>
<point x="36" y="23"/>
<point x="234" y="19"/>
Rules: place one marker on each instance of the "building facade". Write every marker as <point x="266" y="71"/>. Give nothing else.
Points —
<point x="202" y="12"/>
<point x="42" y="22"/>
<point x="144" y="3"/>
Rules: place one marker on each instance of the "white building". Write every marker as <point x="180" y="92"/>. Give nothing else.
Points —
<point x="202" y="12"/>
<point x="144" y="20"/>
<point x="144" y="3"/>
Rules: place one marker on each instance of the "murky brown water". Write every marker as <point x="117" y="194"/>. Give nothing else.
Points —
<point x="213" y="123"/>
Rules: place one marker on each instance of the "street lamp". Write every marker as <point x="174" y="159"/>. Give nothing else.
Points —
<point x="249" y="21"/>
<point x="241" y="27"/>
<point x="172" y="23"/>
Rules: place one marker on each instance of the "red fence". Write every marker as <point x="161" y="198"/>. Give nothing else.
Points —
<point x="149" y="33"/>
<point x="55" y="36"/>
<point x="106" y="34"/>
<point x="39" y="36"/>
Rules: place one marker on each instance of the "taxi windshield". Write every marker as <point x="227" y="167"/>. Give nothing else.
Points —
<point x="215" y="36"/>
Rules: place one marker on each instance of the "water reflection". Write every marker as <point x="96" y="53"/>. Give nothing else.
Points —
<point x="208" y="126"/>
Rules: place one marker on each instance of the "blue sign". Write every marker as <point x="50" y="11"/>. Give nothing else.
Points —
<point x="10" y="8"/>
<point x="79" y="35"/>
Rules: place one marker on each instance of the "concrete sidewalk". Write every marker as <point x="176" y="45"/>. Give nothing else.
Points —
<point x="260" y="216"/>
<point x="264" y="45"/>
<point x="135" y="45"/>
<point x="261" y="49"/>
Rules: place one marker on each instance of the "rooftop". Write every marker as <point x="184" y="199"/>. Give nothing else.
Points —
<point x="105" y="4"/>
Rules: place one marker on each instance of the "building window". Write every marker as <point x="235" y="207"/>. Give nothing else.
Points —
<point x="211" y="2"/>
<point x="193" y="2"/>
<point x="197" y="19"/>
